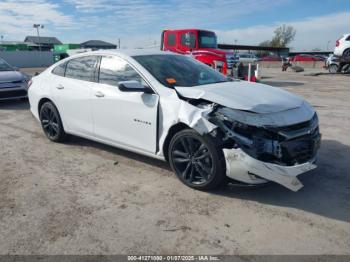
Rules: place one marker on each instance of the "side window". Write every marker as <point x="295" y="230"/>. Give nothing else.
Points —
<point x="114" y="70"/>
<point x="171" y="39"/>
<point x="348" y="38"/>
<point x="188" y="39"/>
<point x="82" y="68"/>
<point x="60" y="69"/>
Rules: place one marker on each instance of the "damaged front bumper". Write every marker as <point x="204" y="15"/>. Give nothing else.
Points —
<point x="242" y="167"/>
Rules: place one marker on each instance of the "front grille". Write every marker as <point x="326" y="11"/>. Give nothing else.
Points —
<point x="12" y="94"/>
<point x="296" y="126"/>
<point x="288" y="145"/>
<point x="301" y="149"/>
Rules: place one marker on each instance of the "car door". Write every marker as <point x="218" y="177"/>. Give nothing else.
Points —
<point x="73" y="93"/>
<point x="125" y="118"/>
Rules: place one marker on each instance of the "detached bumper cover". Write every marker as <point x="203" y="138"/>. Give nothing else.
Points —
<point x="242" y="167"/>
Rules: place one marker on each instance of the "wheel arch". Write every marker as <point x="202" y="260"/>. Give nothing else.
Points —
<point x="172" y="131"/>
<point x="42" y="101"/>
<point x="346" y="50"/>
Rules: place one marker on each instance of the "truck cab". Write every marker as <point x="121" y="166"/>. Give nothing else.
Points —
<point x="201" y="44"/>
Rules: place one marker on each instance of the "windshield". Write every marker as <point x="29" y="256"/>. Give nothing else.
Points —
<point x="207" y="39"/>
<point x="5" y="66"/>
<point x="179" y="70"/>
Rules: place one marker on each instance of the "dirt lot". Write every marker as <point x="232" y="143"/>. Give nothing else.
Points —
<point x="86" y="198"/>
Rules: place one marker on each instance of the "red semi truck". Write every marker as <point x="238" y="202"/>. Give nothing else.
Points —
<point x="201" y="44"/>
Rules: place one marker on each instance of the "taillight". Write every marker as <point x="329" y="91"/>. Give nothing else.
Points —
<point x="30" y="82"/>
<point x="337" y="43"/>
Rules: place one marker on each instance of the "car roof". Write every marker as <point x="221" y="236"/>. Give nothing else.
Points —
<point x="130" y="52"/>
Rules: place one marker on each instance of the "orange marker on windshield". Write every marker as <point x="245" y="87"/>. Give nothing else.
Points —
<point x="171" y="81"/>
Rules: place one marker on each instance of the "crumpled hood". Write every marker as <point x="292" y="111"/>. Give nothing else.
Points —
<point x="241" y="95"/>
<point x="10" y="76"/>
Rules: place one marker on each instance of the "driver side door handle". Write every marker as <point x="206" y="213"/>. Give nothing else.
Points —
<point x="99" y="94"/>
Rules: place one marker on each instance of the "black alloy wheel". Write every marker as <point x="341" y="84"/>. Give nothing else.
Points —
<point x="196" y="160"/>
<point x="51" y="122"/>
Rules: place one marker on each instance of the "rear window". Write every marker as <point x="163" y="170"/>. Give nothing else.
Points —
<point x="82" y="68"/>
<point x="60" y="69"/>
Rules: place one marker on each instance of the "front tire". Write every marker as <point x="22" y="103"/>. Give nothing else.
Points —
<point x="51" y="122"/>
<point x="196" y="160"/>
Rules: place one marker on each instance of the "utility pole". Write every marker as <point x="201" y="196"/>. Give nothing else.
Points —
<point x="118" y="43"/>
<point x="37" y="26"/>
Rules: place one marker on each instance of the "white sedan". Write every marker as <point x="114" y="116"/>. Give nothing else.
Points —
<point x="174" y="108"/>
<point x="342" y="46"/>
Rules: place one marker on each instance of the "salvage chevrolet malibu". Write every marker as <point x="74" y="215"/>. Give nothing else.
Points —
<point x="175" y="108"/>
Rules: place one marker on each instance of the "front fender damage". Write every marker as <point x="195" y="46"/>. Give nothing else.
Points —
<point x="241" y="164"/>
<point x="196" y="118"/>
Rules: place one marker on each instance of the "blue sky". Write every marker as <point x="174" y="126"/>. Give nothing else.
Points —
<point x="138" y="23"/>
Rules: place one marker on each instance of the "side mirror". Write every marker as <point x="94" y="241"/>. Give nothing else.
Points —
<point x="15" y="68"/>
<point x="133" y="86"/>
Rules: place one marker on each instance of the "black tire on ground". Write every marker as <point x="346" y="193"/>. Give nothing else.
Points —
<point x="333" y="68"/>
<point x="196" y="160"/>
<point x="51" y="122"/>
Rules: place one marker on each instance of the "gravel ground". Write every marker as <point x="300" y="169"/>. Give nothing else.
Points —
<point x="82" y="197"/>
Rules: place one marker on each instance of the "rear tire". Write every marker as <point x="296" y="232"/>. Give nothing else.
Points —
<point x="51" y="122"/>
<point x="196" y="160"/>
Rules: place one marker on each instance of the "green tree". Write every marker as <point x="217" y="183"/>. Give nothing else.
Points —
<point x="283" y="35"/>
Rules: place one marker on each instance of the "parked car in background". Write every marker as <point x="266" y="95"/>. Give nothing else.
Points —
<point x="342" y="46"/>
<point x="271" y="58"/>
<point x="321" y="57"/>
<point x="332" y="63"/>
<point x="245" y="58"/>
<point x="13" y="84"/>
<point x="304" y="58"/>
<point x="175" y="108"/>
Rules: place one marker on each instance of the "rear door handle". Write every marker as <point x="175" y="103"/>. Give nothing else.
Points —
<point x="99" y="94"/>
<point x="60" y="87"/>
